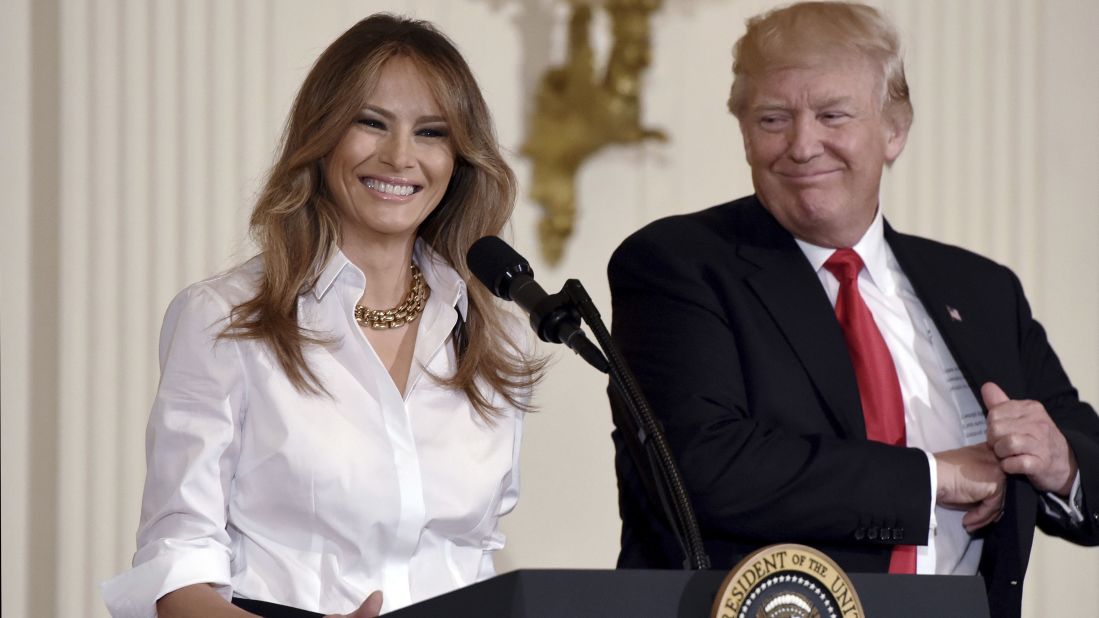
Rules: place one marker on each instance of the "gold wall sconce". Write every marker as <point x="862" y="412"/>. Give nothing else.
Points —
<point x="578" y="112"/>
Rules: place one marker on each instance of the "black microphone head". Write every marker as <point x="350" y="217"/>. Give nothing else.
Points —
<point x="496" y="265"/>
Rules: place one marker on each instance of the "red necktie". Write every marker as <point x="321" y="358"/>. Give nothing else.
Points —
<point x="879" y="389"/>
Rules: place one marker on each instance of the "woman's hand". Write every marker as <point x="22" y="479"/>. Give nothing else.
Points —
<point x="370" y="608"/>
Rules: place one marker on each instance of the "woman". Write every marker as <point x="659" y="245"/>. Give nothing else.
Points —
<point x="308" y="446"/>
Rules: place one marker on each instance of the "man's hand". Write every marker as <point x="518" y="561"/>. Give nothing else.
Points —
<point x="370" y="608"/>
<point x="1027" y="442"/>
<point x="970" y="479"/>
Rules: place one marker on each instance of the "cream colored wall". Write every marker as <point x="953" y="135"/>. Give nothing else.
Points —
<point x="15" y="308"/>
<point x="135" y="134"/>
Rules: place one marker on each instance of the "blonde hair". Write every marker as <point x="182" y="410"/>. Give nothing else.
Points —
<point x="295" y="221"/>
<point x="799" y="34"/>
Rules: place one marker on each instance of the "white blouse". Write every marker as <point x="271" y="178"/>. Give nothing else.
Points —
<point x="309" y="500"/>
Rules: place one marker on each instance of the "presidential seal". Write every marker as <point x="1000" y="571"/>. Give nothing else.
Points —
<point x="787" y="581"/>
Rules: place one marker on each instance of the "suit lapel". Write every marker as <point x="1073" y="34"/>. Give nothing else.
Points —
<point x="792" y="294"/>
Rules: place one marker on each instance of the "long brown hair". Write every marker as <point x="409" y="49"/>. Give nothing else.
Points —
<point x="295" y="221"/>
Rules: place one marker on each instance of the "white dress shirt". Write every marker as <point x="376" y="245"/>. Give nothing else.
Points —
<point x="309" y="500"/>
<point x="940" y="411"/>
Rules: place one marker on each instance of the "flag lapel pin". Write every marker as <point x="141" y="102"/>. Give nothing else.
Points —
<point x="954" y="313"/>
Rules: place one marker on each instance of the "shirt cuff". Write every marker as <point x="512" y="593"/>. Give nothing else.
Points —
<point x="933" y="468"/>
<point x="134" y="593"/>
<point x="926" y="556"/>
<point x="1072" y="510"/>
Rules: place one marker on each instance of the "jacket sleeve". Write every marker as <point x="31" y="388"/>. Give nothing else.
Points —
<point x="1047" y="382"/>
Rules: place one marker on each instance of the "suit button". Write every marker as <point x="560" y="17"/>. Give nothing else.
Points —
<point x="898" y="534"/>
<point x="860" y="533"/>
<point x="872" y="533"/>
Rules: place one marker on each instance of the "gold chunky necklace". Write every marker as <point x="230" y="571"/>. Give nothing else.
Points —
<point x="407" y="311"/>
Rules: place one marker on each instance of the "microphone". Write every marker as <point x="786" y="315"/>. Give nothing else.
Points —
<point x="509" y="276"/>
<point x="556" y="319"/>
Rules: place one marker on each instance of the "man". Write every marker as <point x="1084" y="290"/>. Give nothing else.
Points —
<point x="825" y="379"/>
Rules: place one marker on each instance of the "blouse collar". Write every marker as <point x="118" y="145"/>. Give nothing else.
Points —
<point x="445" y="282"/>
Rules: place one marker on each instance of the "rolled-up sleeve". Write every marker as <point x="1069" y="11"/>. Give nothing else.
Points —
<point x="192" y="444"/>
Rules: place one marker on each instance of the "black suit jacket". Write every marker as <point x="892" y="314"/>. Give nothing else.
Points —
<point x="735" y="343"/>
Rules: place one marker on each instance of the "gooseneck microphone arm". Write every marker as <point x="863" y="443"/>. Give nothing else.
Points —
<point x="668" y="482"/>
<point x="556" y="319"/>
